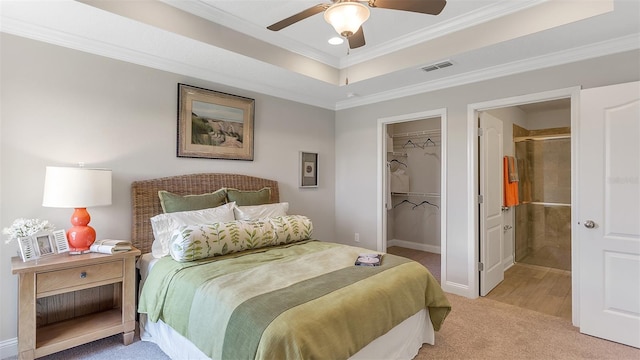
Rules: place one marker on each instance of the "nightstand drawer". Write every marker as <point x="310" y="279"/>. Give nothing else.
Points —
<point x="80" y="276"/>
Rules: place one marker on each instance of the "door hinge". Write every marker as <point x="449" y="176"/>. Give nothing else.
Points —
<point x="480" y="131"/>
<point x="480" y="199"/>
<point x="480" y="266"/>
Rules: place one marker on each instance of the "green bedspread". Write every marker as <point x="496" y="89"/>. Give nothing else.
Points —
<point x="299" y="301"/>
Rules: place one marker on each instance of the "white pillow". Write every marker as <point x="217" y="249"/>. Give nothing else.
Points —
<point x="256" y="212"/>
<point x="164" y="224"/>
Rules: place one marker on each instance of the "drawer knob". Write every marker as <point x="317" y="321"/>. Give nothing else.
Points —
<point x="83" y="274"/>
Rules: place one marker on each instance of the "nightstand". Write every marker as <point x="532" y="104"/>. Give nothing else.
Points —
<point x="68" y="300"/>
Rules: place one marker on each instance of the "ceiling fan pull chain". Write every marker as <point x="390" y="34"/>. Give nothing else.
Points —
<point x="346" y="72"/>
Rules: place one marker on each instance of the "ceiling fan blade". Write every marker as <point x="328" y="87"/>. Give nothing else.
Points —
<point x="356" y="40"/>
<point x="297" y="17"/>
<point x="431" y="7"/>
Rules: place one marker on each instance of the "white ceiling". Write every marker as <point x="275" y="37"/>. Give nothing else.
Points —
<point x="226" y="42"/>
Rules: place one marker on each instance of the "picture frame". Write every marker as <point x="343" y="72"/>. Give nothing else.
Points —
<point x="42" y="244"/>
<point x="308" y="172"/>
<point x="28" y="248"/>
<point x="214" y="125"/>
<point x="60" y="240"/>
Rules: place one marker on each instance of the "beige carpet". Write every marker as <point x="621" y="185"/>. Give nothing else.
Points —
<point x="487" y="329"/>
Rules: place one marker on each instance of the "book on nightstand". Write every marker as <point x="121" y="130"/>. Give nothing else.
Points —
<point x="369" y="260"/>
<point x="110" y="246"/>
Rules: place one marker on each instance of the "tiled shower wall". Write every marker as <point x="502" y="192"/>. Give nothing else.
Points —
<point x="543" y="232"/>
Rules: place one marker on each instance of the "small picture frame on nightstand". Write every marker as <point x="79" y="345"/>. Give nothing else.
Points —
<point x="28" y="248"/>
<point x="60" y="239"/>
<point x="44" y="242"/>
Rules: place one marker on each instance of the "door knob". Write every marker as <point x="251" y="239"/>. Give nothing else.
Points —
<point x="589" y="224"/>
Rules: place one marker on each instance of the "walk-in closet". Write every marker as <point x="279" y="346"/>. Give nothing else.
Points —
<point x="413" y="173"/>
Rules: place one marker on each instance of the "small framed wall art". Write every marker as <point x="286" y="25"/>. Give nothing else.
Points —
<point x="308" y="169"/>
<point x="214" y="125"/>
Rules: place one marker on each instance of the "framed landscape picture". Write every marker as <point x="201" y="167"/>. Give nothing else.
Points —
<point x="214" y="125"/>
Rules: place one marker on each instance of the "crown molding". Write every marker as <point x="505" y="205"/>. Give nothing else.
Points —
<point x="619" y="45"/>
<point x="490" y="12"/>
<point x="135" y="56"/>
<point x="178" y="65"/>
<point x="211" y="13"/>
<point x="482" y="15"/>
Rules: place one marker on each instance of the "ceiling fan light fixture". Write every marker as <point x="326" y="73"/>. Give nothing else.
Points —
<point x="346" y="17"/>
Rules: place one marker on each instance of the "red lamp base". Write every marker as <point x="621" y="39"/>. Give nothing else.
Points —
<point x="80" y="236"/>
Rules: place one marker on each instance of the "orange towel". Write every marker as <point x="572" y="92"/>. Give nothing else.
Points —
<point x="513" y="169"/>
<point x="510" y="188"/>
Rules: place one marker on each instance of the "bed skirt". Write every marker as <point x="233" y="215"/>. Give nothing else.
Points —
<point x="402" y="342"/>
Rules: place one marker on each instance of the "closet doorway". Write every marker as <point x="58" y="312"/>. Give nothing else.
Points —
<point x="412" y="192"/>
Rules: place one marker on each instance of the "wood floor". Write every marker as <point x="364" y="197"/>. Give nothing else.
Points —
<point x="537" y="288"/>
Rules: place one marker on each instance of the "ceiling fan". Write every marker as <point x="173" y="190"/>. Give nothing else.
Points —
<point x="347" y="16"/>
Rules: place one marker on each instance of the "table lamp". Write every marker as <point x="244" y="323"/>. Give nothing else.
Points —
<point x="79" y="188"/>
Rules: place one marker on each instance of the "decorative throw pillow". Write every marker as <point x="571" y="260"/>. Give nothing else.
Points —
<point x="260" y="211"/>
<point x="164" y="224"/>
<point x="194" y="242"/>
<point x="173" y="202"/>
<point x="248" y="197"/>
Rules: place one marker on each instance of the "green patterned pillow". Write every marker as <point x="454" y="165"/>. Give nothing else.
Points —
<point x="173" y="202"/>
<point x="195" y="242"/>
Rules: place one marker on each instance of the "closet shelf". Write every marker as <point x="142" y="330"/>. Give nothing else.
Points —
<point x="544" y="203"/>
<point x="397" y="153"/>
<point x="417" y="133"/>
<point x="415" y="194"/>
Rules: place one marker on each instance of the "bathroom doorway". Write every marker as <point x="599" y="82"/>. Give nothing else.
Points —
<point x="538" y="229"/>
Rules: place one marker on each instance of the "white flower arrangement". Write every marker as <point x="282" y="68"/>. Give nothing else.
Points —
<point x="26" y="227"/>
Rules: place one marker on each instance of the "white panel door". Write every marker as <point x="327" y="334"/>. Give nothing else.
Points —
<point x="491" y="223"/>
<point x="609" y="212"/>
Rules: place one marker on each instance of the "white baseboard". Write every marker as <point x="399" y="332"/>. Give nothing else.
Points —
<point x="508" y="262"/>
<point x="8" y="348"/>
<point x="458" y="289"/>
<point x="415" y="246"/>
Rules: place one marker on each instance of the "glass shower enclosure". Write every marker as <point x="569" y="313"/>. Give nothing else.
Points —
<point x="543" y="219"/>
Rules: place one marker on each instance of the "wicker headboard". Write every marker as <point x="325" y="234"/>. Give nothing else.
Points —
<point x="146" y="204"/>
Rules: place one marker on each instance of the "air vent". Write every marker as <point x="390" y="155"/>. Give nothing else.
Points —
<point x="440" y="65"/>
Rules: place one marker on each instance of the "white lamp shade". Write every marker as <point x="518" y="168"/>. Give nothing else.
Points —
<point x="67" y="187"/>
<point x="346" y="17"/>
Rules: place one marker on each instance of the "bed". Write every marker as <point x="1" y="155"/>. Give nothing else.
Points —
<point x="295" y="299"/>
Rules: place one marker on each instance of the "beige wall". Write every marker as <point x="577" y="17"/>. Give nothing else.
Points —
<point x="61" y="106"/>
<point x="356" y="200"/>
<point x="126" y="114"/>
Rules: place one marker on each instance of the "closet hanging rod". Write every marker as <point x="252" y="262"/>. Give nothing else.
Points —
<point x="417" y="133"/>
<point x="416" y="194"/>
<point x="541" y="137"/>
